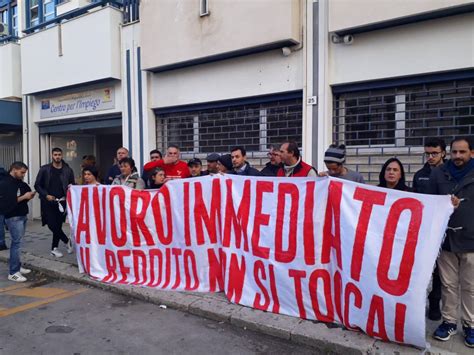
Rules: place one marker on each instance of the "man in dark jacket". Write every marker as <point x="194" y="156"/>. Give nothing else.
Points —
<point x="271" y="168"/>
<point x="3" y="245"/>
<point x="17" y="194"/>
<point x="435" y="154"/>
<point x="456" y="261"/>
<point x="52" y="183"/>
<point x="239" y="163"/>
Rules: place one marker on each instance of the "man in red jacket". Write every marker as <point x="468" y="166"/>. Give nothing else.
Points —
<point x="172" y="166"/>
<point x="293" y="165"/>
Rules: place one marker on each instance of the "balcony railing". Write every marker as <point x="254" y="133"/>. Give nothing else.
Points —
<point x="7" y="39"/>
<point x="130" y="10"/>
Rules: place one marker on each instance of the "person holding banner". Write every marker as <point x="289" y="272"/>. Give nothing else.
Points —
<point x="435" y="153"/>
<point x="456" y="261"/>
<point x="240" y="164"/>
<point x="334" y="158"/>
<point x="90" y="175"/>
<point x="158" y="179"/>
<point x="293" y="165"/>
<point x="172" y="165"/>
<point x="114" y="170"/>
<point x="129" y="176"/>
<point x="392" y="175"/>
<point x="224" y="164"/>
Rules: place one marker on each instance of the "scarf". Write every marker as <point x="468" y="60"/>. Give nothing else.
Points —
<point x="459" y="174"/>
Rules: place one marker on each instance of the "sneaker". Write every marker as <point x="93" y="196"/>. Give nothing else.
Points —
<point x="3" y="247"/>
<point x="17" y="277"/>
<point x="70" y="248"/>
<point x="468" y="336"/>
<point x="445" y="331"/>
<point x="24" y="271"/>
<point x="55" y="252"/>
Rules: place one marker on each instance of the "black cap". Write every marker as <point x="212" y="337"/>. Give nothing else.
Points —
<point x="195" y="161"/>
<point x="213" y="157"/>
<point x="226" y="160"/>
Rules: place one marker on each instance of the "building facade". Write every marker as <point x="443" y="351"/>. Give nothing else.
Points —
<point x="399" y="72"/>
<point x="91" y="76"/>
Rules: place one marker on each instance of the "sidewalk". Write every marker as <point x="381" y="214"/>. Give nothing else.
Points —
<point x="324" y="338"/>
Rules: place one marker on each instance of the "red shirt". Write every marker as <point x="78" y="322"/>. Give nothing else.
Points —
<point x="179" y="170"/>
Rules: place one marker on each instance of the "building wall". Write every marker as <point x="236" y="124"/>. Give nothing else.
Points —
<point x="405" y="50"/>
<point x="175" y="33"/>
<point x="258" y="74"/>
<point x="82" y="50"/>
<point x="10" y="71"/>
<point x="400" y="114"/>
<point x="344" y="14"/>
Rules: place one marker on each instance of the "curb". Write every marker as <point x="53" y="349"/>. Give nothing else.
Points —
<point x="320" y="336"/>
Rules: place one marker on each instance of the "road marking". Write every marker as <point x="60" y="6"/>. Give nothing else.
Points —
<point x="36" y="292"/>
<point x="15" y="287"/>
<point x="25" y="307"/>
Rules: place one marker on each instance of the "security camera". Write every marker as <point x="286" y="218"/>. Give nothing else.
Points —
<point x="348" y="39"/>
<point x="286" y="51"/>
<point x="335" y="38"/>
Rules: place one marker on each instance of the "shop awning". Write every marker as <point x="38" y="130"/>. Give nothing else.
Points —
<point x="10" y="113"/>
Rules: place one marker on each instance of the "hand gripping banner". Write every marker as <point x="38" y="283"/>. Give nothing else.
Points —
<point x="324" y="249"/>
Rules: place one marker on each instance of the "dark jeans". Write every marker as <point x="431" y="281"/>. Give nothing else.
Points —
<point x="435" y="294"/>
<point x="55" y="220"/>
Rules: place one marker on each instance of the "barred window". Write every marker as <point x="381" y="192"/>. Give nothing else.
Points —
<point x="254" y="126"/>
<point x="404" y="116"/>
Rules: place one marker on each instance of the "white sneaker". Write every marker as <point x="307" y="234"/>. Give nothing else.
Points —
<point x="70" y="248"/>
<point x="24" y="270"/>
<point x="55" y="252"/>
<point x="17" y="277"/>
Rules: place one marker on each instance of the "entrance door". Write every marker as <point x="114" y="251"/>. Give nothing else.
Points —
<point x="74" y="148"/>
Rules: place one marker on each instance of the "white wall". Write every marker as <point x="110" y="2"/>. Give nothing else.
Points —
<point x="259" y="74"/>
<point x="176" y="33"/>
<point x="90" y="52"/>
<point x="425" y="47"/>
<point x="10" y="71"/>
<point x="345" y="14"/>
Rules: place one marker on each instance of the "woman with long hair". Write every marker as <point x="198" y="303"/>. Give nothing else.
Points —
<point x="392" y="175"/>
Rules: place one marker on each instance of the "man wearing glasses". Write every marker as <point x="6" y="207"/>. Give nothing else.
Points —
<point x="271" y="168"/>
<point x="435" y="154"/>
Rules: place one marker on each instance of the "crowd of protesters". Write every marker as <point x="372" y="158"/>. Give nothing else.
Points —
<point x="452" y="277"/>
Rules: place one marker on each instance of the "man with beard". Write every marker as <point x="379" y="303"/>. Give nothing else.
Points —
<point x="456" y="260"/>
<point x="51" y="184"/>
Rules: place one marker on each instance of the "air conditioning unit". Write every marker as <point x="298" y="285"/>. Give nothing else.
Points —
<point x="3" y="29"/>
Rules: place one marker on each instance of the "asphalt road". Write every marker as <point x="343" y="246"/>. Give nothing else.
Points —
<point x="59" y="317"/>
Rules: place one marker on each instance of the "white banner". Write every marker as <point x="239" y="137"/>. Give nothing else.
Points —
<point x="324" y="249"/>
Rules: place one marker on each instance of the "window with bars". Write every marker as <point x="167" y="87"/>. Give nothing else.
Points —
<point x="254" y="126"/>
<point x="404" y="116"/>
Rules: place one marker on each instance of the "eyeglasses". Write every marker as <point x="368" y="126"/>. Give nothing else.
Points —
<point x="433" y="154"/>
